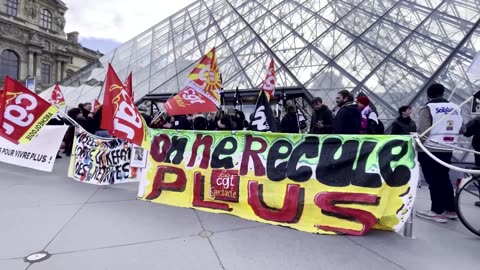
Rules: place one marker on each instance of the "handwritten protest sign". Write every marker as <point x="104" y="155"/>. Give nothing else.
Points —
<point x="39" y="154"/>
<point x="100" y="162"/>
<point x="319" y="184"/>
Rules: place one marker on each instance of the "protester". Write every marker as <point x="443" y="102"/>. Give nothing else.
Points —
<point x="348" y="118"/>
<point x="370" y="122"/>
<point x="224" y="121"/>
<point x="200" y="122"/>
<point x="289" y="122"/>
<point x="445" y="131"/>
<point x="76" y="115"/>
<point x="473" y="129"/>
<point x="404" y="125"/>
<point x="241" y="122"/>
<point x="181" y="122"/>
<point x="142" y="109"/>
<point x="86" y="109"/>
<point x="322" y="118"/>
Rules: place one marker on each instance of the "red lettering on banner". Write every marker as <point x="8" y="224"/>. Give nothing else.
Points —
<point x="254" y="155"/>
<point x="199" y="195"/>
<point x="327" y="201"/>
<point x="159" y="183"/>
<point x="207" y="142"/>
<point x="292" y="204"/>
<point x="160" y="154"/>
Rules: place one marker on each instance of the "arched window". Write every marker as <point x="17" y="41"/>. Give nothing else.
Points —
<point x="46" y="19"/>
<point x="9" y="64"/>
<point x="12" y="7"/>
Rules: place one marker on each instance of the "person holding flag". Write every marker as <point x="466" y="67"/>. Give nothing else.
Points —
<point x="263" y="118"/>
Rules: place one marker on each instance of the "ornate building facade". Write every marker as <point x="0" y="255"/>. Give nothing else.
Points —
<point x="33" y="43"/>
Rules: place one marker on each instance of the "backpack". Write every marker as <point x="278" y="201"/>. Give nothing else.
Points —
<point x="379" y="128"/>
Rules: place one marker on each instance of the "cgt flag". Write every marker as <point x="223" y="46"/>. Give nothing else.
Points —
<point x="22" y="113"/>
<point x="263" y="118"/>
<point x="269" y="83"/>
<point x="129" y="86"/>
<point x="201" y="93"/>
<point x="119" y="114"/>
<point x="57" y="97"/>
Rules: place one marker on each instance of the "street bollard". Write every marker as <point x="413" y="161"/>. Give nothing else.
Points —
<point x="408" y="228"/>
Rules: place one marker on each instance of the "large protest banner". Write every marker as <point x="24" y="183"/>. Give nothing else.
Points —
<point x="319" y="184"/>
<point x="39" y="154"/>
<point x="100" y="161"/>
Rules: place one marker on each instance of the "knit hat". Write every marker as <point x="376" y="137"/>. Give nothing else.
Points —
<point x="363" y="100"/>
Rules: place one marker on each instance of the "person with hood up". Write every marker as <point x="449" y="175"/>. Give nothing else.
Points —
<point x="369" y="117"/>
<point x="348" y="118"/>
<point x="322" y="118"/>
<point x="404" y="125"/>
<point x="289" y="122"/>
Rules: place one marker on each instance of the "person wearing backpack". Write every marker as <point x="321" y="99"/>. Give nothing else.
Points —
<point x="370" y="122"/>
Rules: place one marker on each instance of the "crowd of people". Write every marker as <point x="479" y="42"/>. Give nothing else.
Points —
<point x="354" y="116"/>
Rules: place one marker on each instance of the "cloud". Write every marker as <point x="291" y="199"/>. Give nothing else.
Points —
<point x="118" y="20"/>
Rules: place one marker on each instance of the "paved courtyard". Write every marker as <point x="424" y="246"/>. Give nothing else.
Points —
<point x="89" y="227"/>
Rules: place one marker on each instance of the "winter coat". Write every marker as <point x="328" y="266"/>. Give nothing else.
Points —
<point x="326" y="117"/>
<point x="289" y="123"/>
<point x="403" y="126"/>
<point x="348" y="119"/>
<point x="473" y="129"/>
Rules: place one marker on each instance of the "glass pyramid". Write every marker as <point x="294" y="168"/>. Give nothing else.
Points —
<point x="389" y="49"/>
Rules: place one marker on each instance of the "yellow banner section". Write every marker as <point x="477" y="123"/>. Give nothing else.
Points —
<point x="35" y="128"/>
<point x="319" y="184"/>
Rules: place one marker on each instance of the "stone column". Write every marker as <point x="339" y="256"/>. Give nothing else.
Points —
<point x="38" y="68"/>
<point x="31" y="64"/>
<point x="63" y="70"/>
<point x="59" y="71"/>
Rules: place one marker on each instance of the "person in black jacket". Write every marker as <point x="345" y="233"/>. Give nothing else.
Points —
<point x="348" y="119"/>
<point x="181" y="122"/>
<point x="289" y="122"/>
<point x="473" y="129"/>
<point x="404" y="125"/>
<point x="322" y="118"/>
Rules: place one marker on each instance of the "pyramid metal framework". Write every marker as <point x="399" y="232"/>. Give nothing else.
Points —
<point x="389" y="49"/>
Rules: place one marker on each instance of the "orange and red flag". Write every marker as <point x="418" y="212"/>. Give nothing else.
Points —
<point x="22" y="112"/>
<point x="201" y="93"/>
<point x="57" y="97"/>
<point x="269" y="84"/>
<point x="119" y="114"/>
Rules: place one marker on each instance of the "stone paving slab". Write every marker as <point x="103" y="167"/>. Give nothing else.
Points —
<point x="89" y="227"/>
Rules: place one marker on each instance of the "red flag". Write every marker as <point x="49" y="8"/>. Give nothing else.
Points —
<point x="57" y="97"/>
<point x="269" y="83"/>
<point x="22" y="112"/>
<point x="96" y="105"/>
<point x="128" y="86"/>
<point x="201" y="93"/>
<point x="119" y="114"/>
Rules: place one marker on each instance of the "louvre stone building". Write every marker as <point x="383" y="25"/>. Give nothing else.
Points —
<point x="33" y="43"/>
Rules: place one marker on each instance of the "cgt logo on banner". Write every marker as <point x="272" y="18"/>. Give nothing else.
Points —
<point x="319" y="184"/>
<point x="39" y="154"/>
<point x="100" y="162"/>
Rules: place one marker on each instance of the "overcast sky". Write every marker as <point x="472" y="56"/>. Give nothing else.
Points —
<point x="105" y="24"/>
